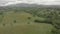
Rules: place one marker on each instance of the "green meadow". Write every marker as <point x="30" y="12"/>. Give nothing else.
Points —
<point x="23" y="23"/>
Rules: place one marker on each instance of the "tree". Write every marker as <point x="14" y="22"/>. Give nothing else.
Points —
<point x="56" y="21"/>
<point x="14" y="21"/>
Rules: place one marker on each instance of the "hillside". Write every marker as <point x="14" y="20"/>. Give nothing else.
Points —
<point x="30" y="19"/>
<point x="22" y="23"/>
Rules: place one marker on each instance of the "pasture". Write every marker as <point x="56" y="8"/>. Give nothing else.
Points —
<point x="22" y="23"/>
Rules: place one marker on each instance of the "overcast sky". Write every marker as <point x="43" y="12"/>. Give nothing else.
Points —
<point x="45" y="2"/>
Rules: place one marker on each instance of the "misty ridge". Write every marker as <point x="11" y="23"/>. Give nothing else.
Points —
<point x="25" y="5"/>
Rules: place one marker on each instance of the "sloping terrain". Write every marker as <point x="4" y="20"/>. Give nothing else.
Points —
<point x="22" y="23"/>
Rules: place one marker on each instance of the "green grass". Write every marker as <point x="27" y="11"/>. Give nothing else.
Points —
<point x="27" y="29"/>
<point x="19" y="17"/>
<point x="21" y="26"/>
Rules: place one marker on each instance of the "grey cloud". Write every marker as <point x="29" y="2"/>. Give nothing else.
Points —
<point x="3" y="2"/>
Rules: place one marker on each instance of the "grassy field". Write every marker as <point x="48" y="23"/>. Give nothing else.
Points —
<point x="18" y="23"/>
<point x="27" y="29"/>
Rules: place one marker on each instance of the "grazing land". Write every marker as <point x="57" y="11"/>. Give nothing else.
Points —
<point x="30" y="21"/>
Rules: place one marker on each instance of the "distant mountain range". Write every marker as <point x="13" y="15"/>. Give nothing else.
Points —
<point x="29" y="5"/>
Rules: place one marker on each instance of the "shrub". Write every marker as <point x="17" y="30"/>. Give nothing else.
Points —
<point x="55" y="31"/>
<point x="3" y="24"/>
<point x="14" y="21"/>
<point x="28" y="23"/>
<point x="29" y="17"/>
<point x="1" y="13"/>
<point x="38" y="21"/>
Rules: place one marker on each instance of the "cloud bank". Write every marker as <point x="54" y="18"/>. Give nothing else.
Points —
<point x="44" y="2"/>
